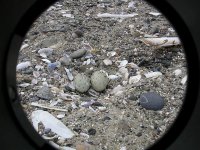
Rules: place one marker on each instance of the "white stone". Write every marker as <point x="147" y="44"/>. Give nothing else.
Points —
<point x="113" y="77"/>
<point x="118" y="90"/>
<point x="153" y="74"/>
<point x="134" y="79"/>
<point x="177" y="72"/>
<point x="107" y="62"/>
<point x="123" y="63"/>
<point x="23" y="65"/>
<point x="183" y="81"/>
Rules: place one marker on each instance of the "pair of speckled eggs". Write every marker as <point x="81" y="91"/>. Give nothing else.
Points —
<point x="99" y="81"/>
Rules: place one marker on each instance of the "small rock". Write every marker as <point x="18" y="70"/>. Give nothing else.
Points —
<point x="113" y="77"/>
<point x="91" y="131"/>
<point x="177" y="72"/>
<point x="52" y="66"/>
<point x="44" y="93"/>
<point x="23" y="65"/>
<point x="69" y="74"/>
<point x="153" y="74"/>
<point x="123" y="63"/>
<point x="70" y="87"/>
<point x="65" y="60"/>
<point x="124" y="72"/>
<point x="117" y="91"/>
<point x="102" y="108"/>
<point x="106" y="118"/>
<point x="77" y="34"/>
<point x="78" y="54"/>
<point x="151" y="101"/>
<point x="44" y="52"/>
<point x="99" y="80"/>
<point x="82" y="82"/>
<point x="107" y="62"/>
<point x="134" y="79"/>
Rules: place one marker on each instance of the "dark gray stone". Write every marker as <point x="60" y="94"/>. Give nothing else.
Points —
<point x="151" y="101"/>
<point x="78" y="54"/>
<point x="45" y="93"/>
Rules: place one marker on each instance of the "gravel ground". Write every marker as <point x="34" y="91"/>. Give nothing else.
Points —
<point x="77" y="41"/>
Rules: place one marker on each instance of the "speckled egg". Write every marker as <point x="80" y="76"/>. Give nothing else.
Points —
<point x="99" y="80"/>
<point x="82" y="82"/>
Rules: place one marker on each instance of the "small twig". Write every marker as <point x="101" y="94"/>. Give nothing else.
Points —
<point x="47" y="107"/>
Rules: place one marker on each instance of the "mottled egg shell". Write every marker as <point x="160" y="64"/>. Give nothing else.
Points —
<point x="99" y="80"/>
<point x="82" y="82"/>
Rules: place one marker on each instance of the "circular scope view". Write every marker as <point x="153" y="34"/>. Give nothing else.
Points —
<point x="101" y="75"/>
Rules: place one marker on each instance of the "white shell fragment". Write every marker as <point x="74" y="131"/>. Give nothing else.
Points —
<point x="153" y="74"/>
<point x="24" y="46"/>
<point x="60" y="147"/>
<point x="134" y="79"/>
<point x="23" y="65"/>
<point x="123" y="63"/>
<point x="46" y="61"/>
<point x="24" y="85"/>
<point x="69" y="74"/>
<point x="113" y="77"/>
<point x="111" y="54"/>
<point x="60" y="116"/>
<point x="161" y="42"/>
<point x="68" y="15"/>
<point x="177" y="72"/>
<point x="155" y="14"/>
<point x="44" y="52"/>
<point x="107" y="62"/>
<point x="49" y="121"/>
<point x="107" y="15"/>
<point x="183" y="81"/>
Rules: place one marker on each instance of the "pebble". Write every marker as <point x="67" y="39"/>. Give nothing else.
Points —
<point x="82" y="82"/>
<point x="107" y="62"/>
<point x="134" y="79"/>
<point x="69" y="74"/>
<point x="52" y="66"/>
<point x="118" y="90"/>
<point x="45" y="51"/>
<point x="177" y="72"/>
<point x="44" y="93"/>
<point x="99" y="80"/>
<point x="151" y="101"/>
<point x="113" y="77"/>
<point x="70" y="86"/>
<point x="77" y="34"/>
<point x="65" y="60"/>
<point x="23" y="65"/>
<point x="92" y="131"/>
<point x="78" y="54"/>
<point x="123" y="63"/>
<point x="124" y="72"/>
<point x="153" y="74"/>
